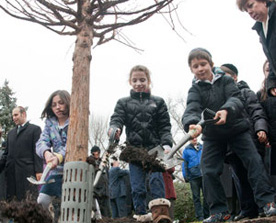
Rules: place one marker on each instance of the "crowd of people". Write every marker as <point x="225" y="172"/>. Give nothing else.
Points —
<point x="241" y="144"/>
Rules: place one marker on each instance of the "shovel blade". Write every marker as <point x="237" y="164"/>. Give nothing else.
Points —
<point x="159" y="150"/>
<point x="172" y="162"/>
<point x="33" y="180"/>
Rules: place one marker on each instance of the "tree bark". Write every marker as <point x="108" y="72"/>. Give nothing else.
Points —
<point x="77" y="141"/>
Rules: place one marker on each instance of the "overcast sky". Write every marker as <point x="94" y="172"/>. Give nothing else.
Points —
<point x="37" y="62"/>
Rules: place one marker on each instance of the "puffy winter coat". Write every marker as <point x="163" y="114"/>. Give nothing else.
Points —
<point x="146" y="119"/>
<point x="223" y="94"/>
<point x="255" y="113"/>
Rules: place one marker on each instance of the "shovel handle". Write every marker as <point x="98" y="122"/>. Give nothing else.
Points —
<point x="46" y="171"/>
<point x="185" y="139"/>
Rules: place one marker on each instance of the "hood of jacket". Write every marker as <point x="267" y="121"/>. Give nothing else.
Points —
<point x="242" y="85"/>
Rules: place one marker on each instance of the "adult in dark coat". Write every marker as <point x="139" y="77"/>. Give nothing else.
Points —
<point x="264" y="13"/>
<point x="2" y="175"/>
<point x="19" y="159"/>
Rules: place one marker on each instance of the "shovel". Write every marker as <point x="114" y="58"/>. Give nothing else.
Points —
<point x="168" y="159"/>
<point x="42" y="181"/>
<point x="112" y="143"/>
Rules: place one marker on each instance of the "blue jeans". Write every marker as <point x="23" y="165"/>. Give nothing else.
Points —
<point x="138" y="178"/>
<point x="53" y="189"/>
<point x="201" y="210"/>
<point x="118" y="207"/>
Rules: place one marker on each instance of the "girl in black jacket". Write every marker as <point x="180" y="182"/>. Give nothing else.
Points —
<point x="147" y="123"/>
<point x="220" y="93"/>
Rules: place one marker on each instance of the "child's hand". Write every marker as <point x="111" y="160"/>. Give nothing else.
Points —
<point x="195" y="130"/>
<point x="38" y="176"/>
<point x="117" y="134"/>
<point x="262" y="136"/>
<point x="51" y="158"/>
<point x="222" y="115"/>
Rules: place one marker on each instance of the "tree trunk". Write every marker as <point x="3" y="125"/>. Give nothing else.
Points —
<point x="77" y="141"/>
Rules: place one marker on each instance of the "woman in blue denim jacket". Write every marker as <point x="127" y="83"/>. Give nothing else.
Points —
<point x="51" y="146"/>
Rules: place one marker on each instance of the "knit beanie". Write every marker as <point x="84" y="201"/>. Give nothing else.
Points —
<point x="229" y="68"/>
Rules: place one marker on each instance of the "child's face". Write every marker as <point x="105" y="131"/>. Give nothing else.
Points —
<point x="201" y="69"/>
<point x="257" y="10"/>
<point x="59" y="108"/>
<point x="139" y="81"/>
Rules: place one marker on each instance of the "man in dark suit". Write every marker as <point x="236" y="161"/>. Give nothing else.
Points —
<point x="19" y="159"/>
<point x="2" y="175"/>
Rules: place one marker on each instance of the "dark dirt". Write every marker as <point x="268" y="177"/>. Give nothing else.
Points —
<point x="27" y="211"/>
<point x="259" y="220"/>
<point x="131" y="220"/>
<point x="131" y="154"/>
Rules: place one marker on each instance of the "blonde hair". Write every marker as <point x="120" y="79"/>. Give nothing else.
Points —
<point x="142" y="69"/>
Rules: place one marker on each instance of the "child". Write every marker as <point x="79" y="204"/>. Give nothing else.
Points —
<point x="218" y="92"/>
<point x="52" y="143"/>
<point x="269" y="105"/>
<point x="147" y="123"/>
<point x="191" y="171"/>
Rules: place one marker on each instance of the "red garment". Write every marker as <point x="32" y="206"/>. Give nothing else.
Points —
<point x="169" y="187"/>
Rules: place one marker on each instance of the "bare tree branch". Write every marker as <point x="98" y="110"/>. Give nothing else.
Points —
<point x="65" y="17"/>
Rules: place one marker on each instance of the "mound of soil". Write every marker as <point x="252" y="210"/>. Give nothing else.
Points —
<point x="26" y="211"/>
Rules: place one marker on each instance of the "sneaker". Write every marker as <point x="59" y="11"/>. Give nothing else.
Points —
<point x="270" y="209"/>
<point x="261" y="214"/>
<point x="219" y="217"/>
<point x="241" y="217"/>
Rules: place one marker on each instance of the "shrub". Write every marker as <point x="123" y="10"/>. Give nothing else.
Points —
<point x="184" y="207"/>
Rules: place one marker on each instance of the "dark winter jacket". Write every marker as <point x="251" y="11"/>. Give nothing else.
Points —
<point x="223" y="94"/>
<point x="269" y="42"/>
<point x="255" y="113"/>
<point x="269" y="106"/>
<point x="191" y="166"/>
<point x="146" y="119"/>
<point x="21" y="161"/>
<point x="253" y="108"/>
